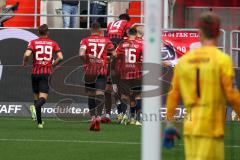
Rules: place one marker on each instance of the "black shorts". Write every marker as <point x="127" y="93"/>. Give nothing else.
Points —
<point x="116" y="41"/>
<point x="93" y="82"/>
<point x="40" y="83"/>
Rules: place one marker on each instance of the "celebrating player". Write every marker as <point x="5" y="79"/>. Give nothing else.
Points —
<point x="94" y="50"/>
<point x="128" y="67"/>
<point x="203" y="78"/>
<point x="140" y="33"/>
<point x="43" y="50"/>
<point x="117" y="30"/>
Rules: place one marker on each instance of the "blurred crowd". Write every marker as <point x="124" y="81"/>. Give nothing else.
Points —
<point x="72" y="8"/>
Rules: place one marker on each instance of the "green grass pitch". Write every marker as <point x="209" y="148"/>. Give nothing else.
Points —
<point x="59" y="140"/>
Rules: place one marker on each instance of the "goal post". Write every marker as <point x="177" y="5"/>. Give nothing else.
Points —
<point x="151" y="143"/>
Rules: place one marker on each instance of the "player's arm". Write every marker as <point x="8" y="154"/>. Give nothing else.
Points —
<point x="231" y="93"/>
<point x="82" y="52"/>
<point x="26" y="56"/>
<point x="110" y="48"/>
<point x="59" y="58"/>
<point x="126" y="28"/>
<point x="82" y="49"/>
<point x="114" y="53"/>
<point x="119" y="50"/>
<point x="173" y="96"/>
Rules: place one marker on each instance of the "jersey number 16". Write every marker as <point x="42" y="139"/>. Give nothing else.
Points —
<point x="130" y="55"/>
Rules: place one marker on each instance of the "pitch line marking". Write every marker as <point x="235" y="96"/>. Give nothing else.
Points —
<point x="79" y="141"/>
<point x="69" y="141"/>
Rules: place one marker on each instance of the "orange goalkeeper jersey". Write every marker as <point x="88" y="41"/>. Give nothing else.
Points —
<point x="203" y="78"/>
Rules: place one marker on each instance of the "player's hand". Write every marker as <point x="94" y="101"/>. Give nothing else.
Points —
<point x="167" y="63"/>
<point x="115" y="88"/>
<point x="92" y="56"/>
<point x="170" y="134"/>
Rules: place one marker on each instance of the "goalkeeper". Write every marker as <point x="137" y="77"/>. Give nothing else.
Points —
<point x="203" y="78"/>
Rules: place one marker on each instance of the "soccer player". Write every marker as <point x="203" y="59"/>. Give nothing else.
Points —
<point x="140" y="33"/>
<point x="203" y="79"/>
<point x="128" y="67"/>
<point x="94" y="50"/>
<point x="43" y="50"/>
<point x="117" y="30"/>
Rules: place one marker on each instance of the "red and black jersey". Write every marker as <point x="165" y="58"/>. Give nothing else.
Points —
<point x="117" y="29"/>
<point x="96" y="48"/>
<point x="43" y="51"/>
<point x="129" y="59"/>
<point x="140" y="40"/>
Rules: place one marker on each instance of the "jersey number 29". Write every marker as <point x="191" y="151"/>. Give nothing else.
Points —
<point x="48" y="50"/>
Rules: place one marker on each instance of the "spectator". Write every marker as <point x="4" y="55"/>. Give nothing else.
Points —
<point x="69" y="8"/>
<point x="83" y="20"/>
<point x="99" y="8"/>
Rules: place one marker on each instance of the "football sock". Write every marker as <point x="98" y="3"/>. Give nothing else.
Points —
<point x="34" y="102"/>
<point x="108" y="102"/>
<point x="91" y="105"/>
<point x="138" y="108"/>
<point x="119" y="109"/>
<point x="123" y="107"/>
<point x="132" y="111"/>
<point x="138" y="104"/>
<point x="99" y="104"/>
<point x="38" y="105"/>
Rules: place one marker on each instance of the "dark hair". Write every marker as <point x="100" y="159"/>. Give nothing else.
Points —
<point x="132" y="31"/>
<point x="209" y="23"/>
<point x="95" y="27"/>
<point x="43" y="30"/>
<point x="124" y="16"/>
